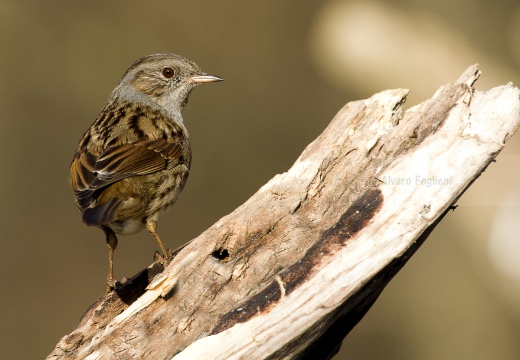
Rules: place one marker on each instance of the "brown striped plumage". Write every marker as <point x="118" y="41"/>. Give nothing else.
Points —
<point x="133" y="162"/>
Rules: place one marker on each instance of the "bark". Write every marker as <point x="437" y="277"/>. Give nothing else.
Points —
<point x="290" y="272"/>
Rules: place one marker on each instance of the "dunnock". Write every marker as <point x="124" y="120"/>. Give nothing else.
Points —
<point x="133" y="161"/>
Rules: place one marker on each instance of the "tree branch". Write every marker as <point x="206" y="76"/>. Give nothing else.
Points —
<point x="290" y="272"/>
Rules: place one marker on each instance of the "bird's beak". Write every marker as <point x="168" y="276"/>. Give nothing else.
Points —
<point x="202" y="78"/>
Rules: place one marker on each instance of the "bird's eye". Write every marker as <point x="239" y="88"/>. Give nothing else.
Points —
<point x="168" y="72"/>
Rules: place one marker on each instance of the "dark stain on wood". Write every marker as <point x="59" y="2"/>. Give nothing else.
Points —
<point x="257" y="304"/>
<point x="350" y="223"/>
<point x="355" y="218"/>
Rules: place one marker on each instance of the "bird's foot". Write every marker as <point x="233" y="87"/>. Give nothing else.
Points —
<point x="164" y="259"/>
<point x="111" y="283"/>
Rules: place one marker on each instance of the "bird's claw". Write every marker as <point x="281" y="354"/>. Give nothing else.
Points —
<point x="164" y="259"/>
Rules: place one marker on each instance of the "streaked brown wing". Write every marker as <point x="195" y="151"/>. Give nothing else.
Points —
<point x="90" y="174"/>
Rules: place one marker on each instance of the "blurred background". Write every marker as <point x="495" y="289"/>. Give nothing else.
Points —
<point x="289" y="67"/>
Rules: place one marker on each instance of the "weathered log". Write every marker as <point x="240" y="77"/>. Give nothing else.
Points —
<point x="290" y="272"/>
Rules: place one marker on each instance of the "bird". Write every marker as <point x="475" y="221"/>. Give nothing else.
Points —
<point x="134" y="160"/>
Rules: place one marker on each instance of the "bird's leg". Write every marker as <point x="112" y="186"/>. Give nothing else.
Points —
<point x="112" y="244"/>
<point x="151" y="225"/>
